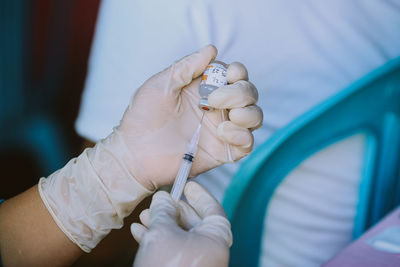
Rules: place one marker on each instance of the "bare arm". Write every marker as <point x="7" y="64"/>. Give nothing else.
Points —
<point x="30" y="237"/>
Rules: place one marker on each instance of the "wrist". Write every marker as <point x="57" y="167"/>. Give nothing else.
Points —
<point x="112" y="156"/>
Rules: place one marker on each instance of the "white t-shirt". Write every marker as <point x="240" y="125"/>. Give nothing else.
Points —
<point x="298" y="53"/>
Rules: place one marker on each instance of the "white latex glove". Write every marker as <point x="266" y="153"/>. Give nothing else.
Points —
<point x="180" y="235"/>
<point x="164" y="114"/>
<point x="94" y="192"/>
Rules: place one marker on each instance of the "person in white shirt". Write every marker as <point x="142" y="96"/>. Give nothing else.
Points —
<point x="298" y="53"/>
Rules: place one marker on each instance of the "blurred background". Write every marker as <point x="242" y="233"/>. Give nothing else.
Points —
<point x="44" y="49"/>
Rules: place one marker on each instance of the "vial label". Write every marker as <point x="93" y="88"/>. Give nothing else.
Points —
<point x="213" y="77"/>
<point x="215" y="74"/>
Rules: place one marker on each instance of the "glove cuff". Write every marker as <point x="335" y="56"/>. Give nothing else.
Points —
<point x="92" y="194"/>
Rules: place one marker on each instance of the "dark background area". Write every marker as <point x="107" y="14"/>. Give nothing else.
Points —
<point x="44" y="49"/>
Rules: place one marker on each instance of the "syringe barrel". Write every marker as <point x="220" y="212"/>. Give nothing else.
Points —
<point x="181" y="178"/>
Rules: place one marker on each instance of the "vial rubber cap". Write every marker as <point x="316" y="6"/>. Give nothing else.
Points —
<point x="203" y="105"/>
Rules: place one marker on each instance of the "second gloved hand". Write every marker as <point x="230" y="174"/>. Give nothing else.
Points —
<point x="180" y="234"/>
<point x="164" y="114"/>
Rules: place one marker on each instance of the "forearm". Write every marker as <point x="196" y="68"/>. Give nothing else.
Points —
<point x="73" y="210"/>
<point x="30" y="237"/>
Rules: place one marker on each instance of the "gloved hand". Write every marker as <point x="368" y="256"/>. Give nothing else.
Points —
<point x="94" y="192"/>
<point x="178" y="234"/>
<point x="164" y="114"/>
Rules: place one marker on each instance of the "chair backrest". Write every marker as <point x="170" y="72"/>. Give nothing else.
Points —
<point x="370" y="106"/>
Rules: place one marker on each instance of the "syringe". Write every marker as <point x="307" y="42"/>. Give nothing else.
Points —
<point x="186" y="165"/>
<point x="213" y="78"/>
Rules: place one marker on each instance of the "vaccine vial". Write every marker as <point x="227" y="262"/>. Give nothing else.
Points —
<point x="213" y="77"/>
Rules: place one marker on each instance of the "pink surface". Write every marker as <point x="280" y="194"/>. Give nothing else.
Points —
<point x="360" y="253"/>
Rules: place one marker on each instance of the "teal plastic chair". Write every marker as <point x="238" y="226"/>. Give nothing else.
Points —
<point x="370" y="106"/>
